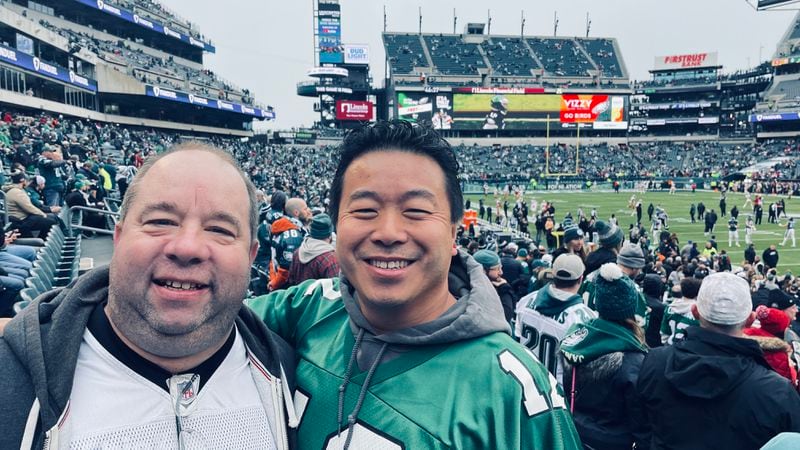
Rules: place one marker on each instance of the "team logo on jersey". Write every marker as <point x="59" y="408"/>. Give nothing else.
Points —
<point x="576" y="337"/>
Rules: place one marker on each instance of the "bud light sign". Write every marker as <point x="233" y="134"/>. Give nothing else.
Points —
<point x="354" y="110"/>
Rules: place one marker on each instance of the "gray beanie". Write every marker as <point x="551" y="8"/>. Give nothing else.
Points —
<point x="610" y="234"/>
<point x="631" y="256"/>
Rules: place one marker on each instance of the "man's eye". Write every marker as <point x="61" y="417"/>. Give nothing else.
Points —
<point x="160" y="222"/>
<point x="365" y="212"/>
<point x="222" y="231"/>
<point x="417" y="212"/>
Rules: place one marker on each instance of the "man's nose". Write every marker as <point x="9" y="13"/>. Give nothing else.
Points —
<point x="187" y="246"/>
<point x="390" y="229"/>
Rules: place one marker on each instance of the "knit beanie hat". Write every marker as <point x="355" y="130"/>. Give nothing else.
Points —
<point x="487" y="259"/>
<point x="522" y="253"/>
<point x="652" y="285"/>
<point x="773" y="321"/>
<point x="610" y="234"/>
<point x="631" y="255"/>
<point x="780" y="299"/>
<point x="615" y="294"/>
<point x="321" y="226"/>
<point x="572" y="233"/>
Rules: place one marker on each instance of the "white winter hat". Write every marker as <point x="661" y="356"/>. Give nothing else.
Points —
<point x="724" y="299"/>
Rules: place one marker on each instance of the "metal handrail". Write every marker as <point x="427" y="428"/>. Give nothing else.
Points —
<point x="5" y="207"/>
<point x="70" y="225"/>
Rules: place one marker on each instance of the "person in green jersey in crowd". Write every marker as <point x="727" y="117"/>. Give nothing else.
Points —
<point x="409" y="347"/>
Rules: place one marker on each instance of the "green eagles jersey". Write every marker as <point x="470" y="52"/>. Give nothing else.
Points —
<point x="483" y="393"/>
<point x="677" y="318"/>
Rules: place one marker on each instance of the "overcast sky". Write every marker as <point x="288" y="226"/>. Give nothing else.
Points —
<point x="266" y="45"/>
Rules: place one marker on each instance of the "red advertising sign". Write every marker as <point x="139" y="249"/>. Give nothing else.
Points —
<point x="583" y="108"/>
<point x="354" y="110"/>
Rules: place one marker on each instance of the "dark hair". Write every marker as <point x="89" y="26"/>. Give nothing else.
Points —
<point x="565" y="284"/>
<point x="690" y="287"/>
<point x="278" y="201"/>
<point x="401" y="136"/>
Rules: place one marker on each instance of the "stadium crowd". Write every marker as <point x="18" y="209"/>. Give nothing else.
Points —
<point x="588" y="298"/>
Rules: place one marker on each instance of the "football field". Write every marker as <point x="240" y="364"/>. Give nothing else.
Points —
<point x="677" y="206"/>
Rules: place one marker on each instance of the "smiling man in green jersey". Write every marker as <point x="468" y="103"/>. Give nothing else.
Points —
<point x="409" y="347"/>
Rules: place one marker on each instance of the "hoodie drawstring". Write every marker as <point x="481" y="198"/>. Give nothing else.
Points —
<point x="351" y="419"/>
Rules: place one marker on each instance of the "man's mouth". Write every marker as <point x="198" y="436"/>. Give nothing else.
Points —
<point x="396" y="264"/>
<point x="181" y="285"/>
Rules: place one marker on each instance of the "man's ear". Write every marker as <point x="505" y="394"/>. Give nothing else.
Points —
<point x="695" y="312"/>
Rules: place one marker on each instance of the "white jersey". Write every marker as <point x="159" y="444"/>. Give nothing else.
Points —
<point x="542" y="334"/>
<point x="112" y="406"/>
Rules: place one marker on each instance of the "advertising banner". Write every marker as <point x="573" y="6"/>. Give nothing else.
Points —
<point x="774" y="117"/>
<point x="16" y="58"/>
<point x="430" y="109"/>
<point x="169" y="94"/>
<point x="356" y="54"/>
<point x="329" y="30"/>
<point x="154" y="25"/>
<point x="685" y="61"/>
<point x="355" y="110"/>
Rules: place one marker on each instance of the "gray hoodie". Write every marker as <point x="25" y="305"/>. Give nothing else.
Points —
<point x="477" y="312"/>
<point x="39" y="352"/>
<point x="311" y="248"/>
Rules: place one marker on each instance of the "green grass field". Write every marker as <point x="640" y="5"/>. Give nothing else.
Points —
<point x="677" y="206"/>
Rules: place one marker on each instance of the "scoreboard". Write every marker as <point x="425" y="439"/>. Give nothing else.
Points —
<point x="512" y="109"/>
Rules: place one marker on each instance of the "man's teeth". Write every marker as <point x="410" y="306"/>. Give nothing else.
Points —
<point x="389" y="264"/>
<point x="179" y="285"/>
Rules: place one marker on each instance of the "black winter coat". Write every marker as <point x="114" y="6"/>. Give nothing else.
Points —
<point x="714" y="391"/>
<point x="607" y="410"/>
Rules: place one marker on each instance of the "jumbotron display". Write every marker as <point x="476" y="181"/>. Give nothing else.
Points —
<point x="513" y="110"/>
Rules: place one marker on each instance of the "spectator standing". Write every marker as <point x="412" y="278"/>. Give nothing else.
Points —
<point x="653" y="289"/>
<point x="610" y="238"/>
<point x="715" y="379"/>
<point x="287" y="235"/>
<point x="544" y="316"/>
<point x="316" y="257"/>
<point x="678" y="315"/>
<point x="493" y="269"/>
<point x="52" y="167"/>
<point x="770" y="257"/>
<point x="604" y="356"/>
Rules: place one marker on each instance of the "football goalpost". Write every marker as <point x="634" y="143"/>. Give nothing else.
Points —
<point x="562" y="170"/>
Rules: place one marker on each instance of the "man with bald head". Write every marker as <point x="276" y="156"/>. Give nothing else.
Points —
<point x="155" y="351"/>
<point x="288" y="233"/>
